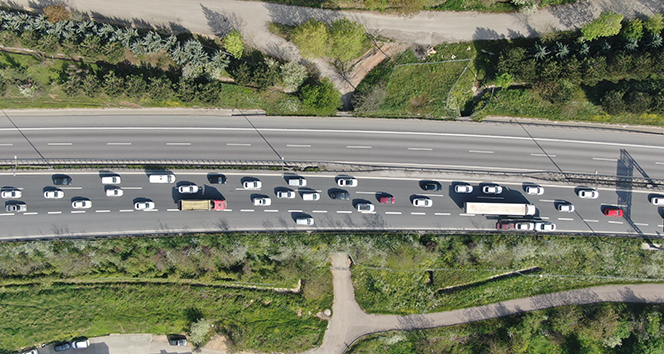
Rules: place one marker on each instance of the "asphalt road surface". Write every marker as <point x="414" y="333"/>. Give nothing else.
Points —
<point x="205" y="135"/>
<point x="108" y="215"/>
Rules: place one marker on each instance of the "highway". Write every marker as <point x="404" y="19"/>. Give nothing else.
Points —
<point x="205" y="135"/>
<point x="108" y="216"/>
<point x="212" y="134"/>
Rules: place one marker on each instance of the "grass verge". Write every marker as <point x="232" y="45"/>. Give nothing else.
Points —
<point x="401" y="283"/>
<point x="253" y="320"/>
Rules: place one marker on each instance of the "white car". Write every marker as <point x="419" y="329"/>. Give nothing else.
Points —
<point x="285" y="194"/>
<point x="114" y="192"/>
<point x="145" y="205"/>
<point x="304" y="221"/>
<point x="81" y="204"/>
<point x="188" y="189"/>
<point x="587" y="194"/>
<point x="492" y="189"/>
<point x="347" y="182"/>
<point x="657" y="200"/>
<point x="545" y="226"/>
<point x="566" y="207"/>
<point x="463" y="188"/>
<point x="534" y="190"/>
<point x="111" y="180"/>
<point x="524" y="226"/>
<point x="54" y="194"/>
<point x="83" y="343"/>
<point x="365" y="207"/>
<point x="252" y="184"/>
<point x="161" y="178"/>
<point x="11" y="193"/>
<point x="311" y="196"/>
<point x="422" y="202"/>
<point x="262" y="201"/>
<point x="297" y="181"/>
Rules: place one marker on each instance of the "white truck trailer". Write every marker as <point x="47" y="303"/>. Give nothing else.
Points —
<point x="516" y="209"/>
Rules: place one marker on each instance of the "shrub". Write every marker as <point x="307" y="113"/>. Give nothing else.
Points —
<point x="293" y="75"/>
<point x="135" y="86"/>
<point x="113" y="85"/>
<point x="606" y="25"/>
<point x="264" y="77"/>
<point x="56" y="13"/>
<point x="311" y="38"/>
<point x="186" y="90"/>
<point x="321" y="97"/>
<point x="209" y="92"/>
<point x="234" y="43"/>
<point x="199" y="333"/>
<point x="159" y="88"/>
<point x="612" y="102"/>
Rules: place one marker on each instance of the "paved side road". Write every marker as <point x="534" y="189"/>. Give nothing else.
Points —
<point x="349" y="322"/>
<point x="133" y="344"/>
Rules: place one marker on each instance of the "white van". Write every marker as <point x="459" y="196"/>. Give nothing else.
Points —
<point x="297" y="181"/>
<point x="310" y="196"/>
<point x="82" y="343"/>
<point x="162" y="178"/>
<point x="111" y="180"/>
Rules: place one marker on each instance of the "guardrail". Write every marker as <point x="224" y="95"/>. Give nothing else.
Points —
<point x="331" y="166"/>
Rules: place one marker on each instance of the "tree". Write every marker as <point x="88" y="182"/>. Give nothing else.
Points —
<point x="606" y="25"/>
<point x="234" y="43"/>
<point x="321" y="97"/>
<point x="349" y="40"/>
<point x="633" y="30"/>
<point x="56" y="13"/>
<point x="311" y="39"/>
<point x="654" y="24"/>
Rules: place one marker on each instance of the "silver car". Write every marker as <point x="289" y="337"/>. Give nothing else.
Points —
<point x="347" y="182"/>
<point x="304" y="220"/>
<point x="188" y="189"/>
<point x="565" y="207"/>
<point x="285" y="194"/>
<point x="11" y="193"/>
<point x="524" y="226"/>
<point x="262" y="201"/>
<point x="145" y="205"/>
<point x="365" y="207"/>
<point x="112" y="191"/>
<point x="545" y="226"/>
<point x="534" y="190"/>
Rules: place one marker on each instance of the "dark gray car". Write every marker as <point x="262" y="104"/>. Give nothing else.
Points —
<point x="340" y="194"/>
<point x="61" y="347"/>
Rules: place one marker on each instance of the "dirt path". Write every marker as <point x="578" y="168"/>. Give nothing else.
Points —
<point x="349" y="322"/>
<point x="218" y="17"/>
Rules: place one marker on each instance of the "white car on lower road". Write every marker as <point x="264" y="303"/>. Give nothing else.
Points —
<point x="285" y="194"/>
<point x="588" y="194"/>
<point x="252" y="184"/>
<point x="11" y="193"/>
<point x="144" y="205"/>
<point x="347" y="182"/>
<point x="422" y="202"/>
<point x="262" y="201"/>
<point x="113" y="191"/>
<point x="54" y="194"/>
<point x="492" y="189"/>
<point x="545" y="226"/>
<point x="81" y="204"/>
<point x="188" y="189"/>
<point x="365" y="207"/>
<point x="534" y="190"/>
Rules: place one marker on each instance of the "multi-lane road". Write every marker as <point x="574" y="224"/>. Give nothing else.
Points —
<point x="206" y="135"/>
<point x="215" y="135"/>
<point x="116" y="215"/>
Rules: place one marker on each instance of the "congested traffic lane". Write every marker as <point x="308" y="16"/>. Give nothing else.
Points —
<point x="115" y="215"/>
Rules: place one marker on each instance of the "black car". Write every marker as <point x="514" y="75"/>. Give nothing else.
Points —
<point x="177" y="340"/>
<point x="61" y="347"/>
<point x="431" y="186"/>
<point x="218" y="179"/>
<point x="340" y="195"/>
<point x="61" y="180"/>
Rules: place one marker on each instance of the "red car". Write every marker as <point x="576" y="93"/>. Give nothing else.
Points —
<point x="386" y="199"/>
<point x="613" y="212"/>
<point x="504" y="225"/>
